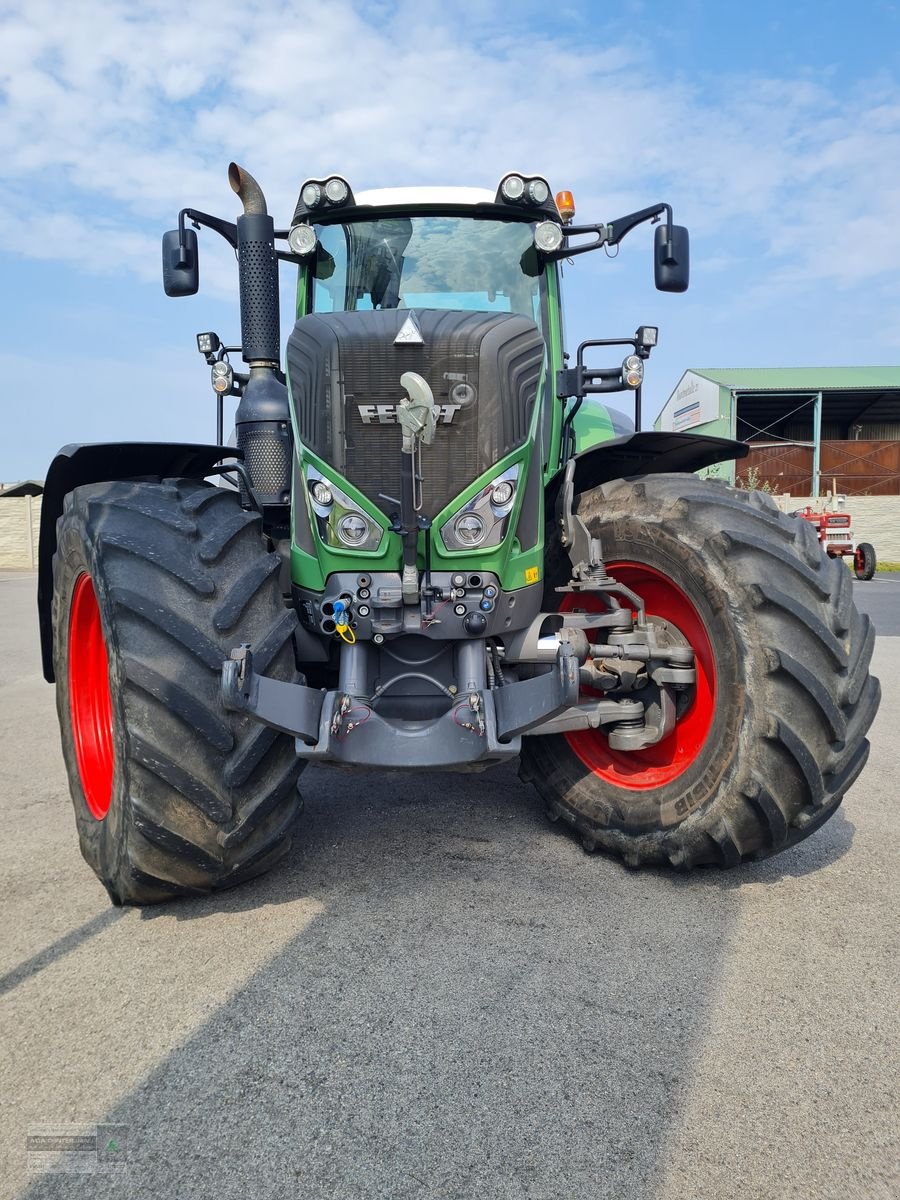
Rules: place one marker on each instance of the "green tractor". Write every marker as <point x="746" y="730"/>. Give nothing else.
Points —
<point x="429" y="546"/>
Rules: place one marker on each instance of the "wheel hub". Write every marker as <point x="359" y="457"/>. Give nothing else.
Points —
<point x="656" y="765"/>
<point x="90" y="702"/>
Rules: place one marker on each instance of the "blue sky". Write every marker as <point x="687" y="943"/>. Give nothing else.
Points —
<point x="774" y="129"/>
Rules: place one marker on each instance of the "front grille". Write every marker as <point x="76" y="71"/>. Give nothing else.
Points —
<point x="371" y="378"/>
<point x="342" y="361"/>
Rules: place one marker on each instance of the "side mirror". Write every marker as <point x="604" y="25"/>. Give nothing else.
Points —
<point x="671" y="259"/>
<point x="180" y="265"/>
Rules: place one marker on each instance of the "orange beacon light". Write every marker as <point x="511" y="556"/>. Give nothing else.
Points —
<point x="565" y="203"/>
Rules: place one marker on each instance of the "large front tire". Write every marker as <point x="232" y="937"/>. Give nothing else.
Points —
<point x="154" y="584"/>
<point x="773" y="734"/>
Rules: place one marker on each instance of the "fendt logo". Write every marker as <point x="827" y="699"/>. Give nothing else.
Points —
<point x="386" y="414"/>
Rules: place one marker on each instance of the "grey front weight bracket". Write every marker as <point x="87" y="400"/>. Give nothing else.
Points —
<point x="291" y="707"/>
<point x="530" y="702"/>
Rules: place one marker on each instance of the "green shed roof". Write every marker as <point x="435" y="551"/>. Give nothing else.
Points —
<point x="801" y="379"/>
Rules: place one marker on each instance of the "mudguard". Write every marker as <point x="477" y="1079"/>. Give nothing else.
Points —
<point x="648" y="453"/>
<point x="102" y="462"/>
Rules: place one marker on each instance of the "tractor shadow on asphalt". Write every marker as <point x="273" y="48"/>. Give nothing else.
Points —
<point x="60" y="948"/>
<point x="353" y="818"/>
<point x="480" y="1008"/>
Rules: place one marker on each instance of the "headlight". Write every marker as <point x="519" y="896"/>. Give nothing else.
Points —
<point x="311" y="195"/>
<point x="302" y="239"/>
<point x="321" y="493"/>
<point x="502" y="492"/>
<point x="353" y="529"/>
<point x="548" y="236"/>
<point x="337" y="517"/>
<point x="483" y="520"/>
<point x="469" y="529"/>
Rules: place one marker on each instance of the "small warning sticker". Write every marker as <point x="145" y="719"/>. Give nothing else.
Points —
<point x="532" y="574"/>
<point x="409" y="334"/>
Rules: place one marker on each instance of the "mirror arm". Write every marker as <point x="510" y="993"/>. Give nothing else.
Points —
<point x="618" y="229"/>
<point x="225" y="229"/>
<point x="567" y="251"/>
<point x="612" y="234"/>
<point x="580" y="380"/>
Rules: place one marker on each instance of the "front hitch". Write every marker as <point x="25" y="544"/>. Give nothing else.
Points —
<point x="479" y="726"/>
<point x="289" y="707"/>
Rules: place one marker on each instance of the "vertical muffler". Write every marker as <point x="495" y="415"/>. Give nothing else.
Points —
<point x="262" y="421"/>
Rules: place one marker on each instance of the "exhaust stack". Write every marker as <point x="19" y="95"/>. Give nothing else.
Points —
<point x="247" y="190"/>
<point x="258" y="272"/>
<point x="262" y="421"/>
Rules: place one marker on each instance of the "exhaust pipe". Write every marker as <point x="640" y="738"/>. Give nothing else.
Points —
<point x="262" y="421"/>
<point x="258" y="273"/>
<point x="248" y="190"/>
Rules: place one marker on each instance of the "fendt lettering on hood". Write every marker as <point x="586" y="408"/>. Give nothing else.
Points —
<point x="386" y="414"/>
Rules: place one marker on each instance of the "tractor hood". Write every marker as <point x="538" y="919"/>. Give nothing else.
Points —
<point x="344" y="373"/>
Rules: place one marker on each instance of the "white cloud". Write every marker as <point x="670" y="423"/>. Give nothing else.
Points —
<point x="114" y="115"/>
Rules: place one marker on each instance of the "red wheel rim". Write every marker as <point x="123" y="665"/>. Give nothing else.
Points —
<point x="90" y="702"/>
<point x="657" y="765"/>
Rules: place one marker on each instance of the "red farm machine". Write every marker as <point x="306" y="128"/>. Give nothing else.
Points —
<point x="835" y="531"/>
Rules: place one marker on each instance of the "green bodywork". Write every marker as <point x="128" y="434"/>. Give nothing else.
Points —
<point x="514" y="566"/>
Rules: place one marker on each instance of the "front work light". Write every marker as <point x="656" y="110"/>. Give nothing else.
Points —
<point x="302" y="239"/>
<point x="513" y="187"/>
<point x="523" y="189"/>
<point x="336" y="191"/>
<point x="548" y="236"/>
<point x="315" y="194"/>
<point x="647" y="336"/>
<point x="538" y="192"/>
<point x="208" y="343"/>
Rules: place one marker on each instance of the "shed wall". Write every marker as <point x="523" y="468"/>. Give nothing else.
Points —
<point x="20" y="522"/>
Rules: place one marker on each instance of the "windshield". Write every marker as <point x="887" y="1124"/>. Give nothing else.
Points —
<point x="428" y="262"/>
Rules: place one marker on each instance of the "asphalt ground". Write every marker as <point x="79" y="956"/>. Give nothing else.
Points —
<point x="439" y="994"/>
<point x="880" y="598"/>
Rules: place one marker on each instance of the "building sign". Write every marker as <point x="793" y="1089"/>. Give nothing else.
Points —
<point x="694" y="402"/>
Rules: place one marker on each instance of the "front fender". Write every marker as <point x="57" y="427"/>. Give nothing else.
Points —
<point x="102" y="462"/>
<point x="648" y="453"/>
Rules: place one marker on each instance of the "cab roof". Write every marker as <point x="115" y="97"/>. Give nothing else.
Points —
<point x="414" y="197"/>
